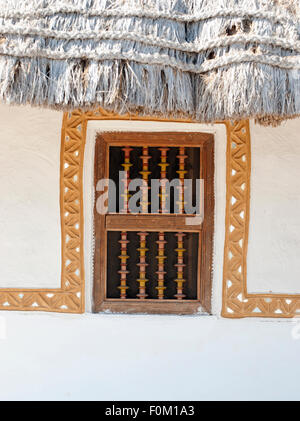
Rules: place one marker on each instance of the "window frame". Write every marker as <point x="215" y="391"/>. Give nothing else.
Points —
<point x="107" y="222"/>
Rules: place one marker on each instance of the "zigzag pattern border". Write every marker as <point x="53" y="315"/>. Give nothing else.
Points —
<point x="237" y="302"/>
<point x="70" y="297"/>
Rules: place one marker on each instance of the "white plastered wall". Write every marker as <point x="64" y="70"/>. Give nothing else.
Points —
<point x="274" y="236"/>
<point x="30" y="231"/>
<point x="119" y="357"/>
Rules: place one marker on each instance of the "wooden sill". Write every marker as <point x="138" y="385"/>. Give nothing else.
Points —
<point x="151" y="307"/>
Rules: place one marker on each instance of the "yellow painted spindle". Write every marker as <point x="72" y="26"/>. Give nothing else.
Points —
<point x="163" y="175"/>
<point x="180" y="265"/>
<point x="145" y="175"/>
<point x="123" y="272"/>
<point x="181" y="172"/>
<point x="142" y="266"/>
<point x="161" y="265"/>
<point x="126" y="180"/>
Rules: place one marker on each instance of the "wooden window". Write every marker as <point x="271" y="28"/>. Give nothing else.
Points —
<point x="153" y="262"/>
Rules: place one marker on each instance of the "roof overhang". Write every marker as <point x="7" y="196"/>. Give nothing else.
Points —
<point x="230" y="60"/>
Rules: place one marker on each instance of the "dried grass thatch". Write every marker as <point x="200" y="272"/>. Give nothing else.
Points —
<point x="209" y="60"/>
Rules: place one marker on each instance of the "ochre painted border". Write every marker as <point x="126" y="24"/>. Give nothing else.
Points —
<point x="69" y="298"/>
<point x="237" y="302"/>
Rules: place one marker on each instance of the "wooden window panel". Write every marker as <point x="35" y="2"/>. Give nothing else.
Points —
<point x="155" y="223"/>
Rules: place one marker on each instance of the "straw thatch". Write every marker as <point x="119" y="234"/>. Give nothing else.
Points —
<point x="209" y="60"/>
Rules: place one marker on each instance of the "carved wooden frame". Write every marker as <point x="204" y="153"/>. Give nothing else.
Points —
<point x="69" y="298"/>
<point x="103" y="224"/>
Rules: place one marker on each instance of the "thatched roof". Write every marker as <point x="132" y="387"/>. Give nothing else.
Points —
<point x="207" y="59"/>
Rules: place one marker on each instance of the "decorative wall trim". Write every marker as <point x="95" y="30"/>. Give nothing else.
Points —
<point x="69" y="298"/>
<point x="237" y="302"/>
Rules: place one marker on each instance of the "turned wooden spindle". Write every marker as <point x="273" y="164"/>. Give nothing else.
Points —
<point x="181" y="172"/>
<point x="123" y="271"/>
<point x="180" y="265"/>
<point x="161" y="265"/>
<point x="126" y="180"/>
<point x="145" y="175"/>
<point x="142" y="266"/>
<point x="163" y="176"/>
